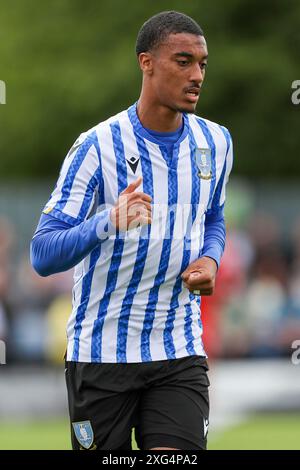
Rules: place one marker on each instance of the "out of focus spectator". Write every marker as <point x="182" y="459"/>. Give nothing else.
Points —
<point x="34" y="296"/>
<point x="6" y="244"/>
<point x="56" y="321"/>
<point x="263" y="318"/>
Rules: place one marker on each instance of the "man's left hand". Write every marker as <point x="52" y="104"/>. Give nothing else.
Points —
<point x="199" y="277"/>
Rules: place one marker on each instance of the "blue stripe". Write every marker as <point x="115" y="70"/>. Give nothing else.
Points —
<point x="88" y="196"/>
<point x="196" y="181"/>
<point x="198" y="300"/>
<point x="215" y="206"/>
<point x="227" y="137"/>
<point x="188" y="333"/>
<point x="141" y="257"/>
<point x="96" y="179"/>
<point x="88" y="277"/>
<point x="72" y="172"/>
<point x="112" y="276"/>
<point x="194" y="201"/>
<point x="202" y="231"/>
<point x="218" y="191"/>
<point x="85" y="296"/>
<point x="211" y="143"/>
<point x="164" y="258"/>
<point x="65" y="217"/>
<point x="101" y="195"/>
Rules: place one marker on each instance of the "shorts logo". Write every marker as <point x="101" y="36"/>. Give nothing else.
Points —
<point x="84" y="433"/>
<point x="203" y="160"/>
<point x="205" y="426"/>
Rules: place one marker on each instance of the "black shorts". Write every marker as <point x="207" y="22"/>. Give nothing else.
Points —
<point x="165" y="401"/>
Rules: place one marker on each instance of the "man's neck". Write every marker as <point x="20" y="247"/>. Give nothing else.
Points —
<point x="157" y="117"/>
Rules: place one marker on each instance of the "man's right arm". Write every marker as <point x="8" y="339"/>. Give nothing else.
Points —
<point x="58" y="246"/>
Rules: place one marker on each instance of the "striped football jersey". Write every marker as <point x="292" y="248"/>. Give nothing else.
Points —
<point x="129" y="302"/>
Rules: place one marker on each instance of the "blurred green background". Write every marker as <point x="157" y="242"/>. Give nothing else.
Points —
<point x="67" y="65"/>
<point x="70" y="64"/>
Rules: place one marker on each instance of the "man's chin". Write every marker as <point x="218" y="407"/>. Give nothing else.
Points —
<point x="187" y="108"/>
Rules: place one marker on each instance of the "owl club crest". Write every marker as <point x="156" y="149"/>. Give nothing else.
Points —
<point x="203" y="161"/>
<point x="84" y="433"/>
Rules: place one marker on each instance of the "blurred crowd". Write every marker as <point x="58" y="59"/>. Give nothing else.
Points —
<point x="33" y="310"/>
<point x="255" y="311"/>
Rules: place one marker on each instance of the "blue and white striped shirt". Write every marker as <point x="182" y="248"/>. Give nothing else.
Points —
<point x="129" y="304"/>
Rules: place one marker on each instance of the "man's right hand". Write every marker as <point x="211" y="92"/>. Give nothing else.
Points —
<point x="132" y="208"/>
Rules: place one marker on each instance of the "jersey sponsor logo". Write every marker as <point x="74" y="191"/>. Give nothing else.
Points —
<point x="84" y="433"/>
<point x="203" y="161"/>
<point x="133" y="162"/>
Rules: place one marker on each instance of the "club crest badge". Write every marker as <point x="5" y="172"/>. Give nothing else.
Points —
<point x="203" y="161"/>
<point x="84" y="433"/>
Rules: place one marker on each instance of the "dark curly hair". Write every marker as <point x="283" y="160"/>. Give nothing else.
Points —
<point x="158" y="27"/>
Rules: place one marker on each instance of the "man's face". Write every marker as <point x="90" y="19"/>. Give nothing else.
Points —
<point x="178" y="71"/>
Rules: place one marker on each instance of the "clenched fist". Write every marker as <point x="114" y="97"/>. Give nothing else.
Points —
<point x="200" y="276"/>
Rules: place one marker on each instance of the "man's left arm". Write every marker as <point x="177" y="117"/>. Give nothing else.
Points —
<point x="199" y="277"/>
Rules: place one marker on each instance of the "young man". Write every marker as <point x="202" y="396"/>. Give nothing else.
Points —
<point x="142" y="257"/>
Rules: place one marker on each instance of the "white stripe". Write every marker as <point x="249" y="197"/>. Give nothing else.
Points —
<point x="201" y="238"/>
<point x="135" y="322"/>
<point x="228" y="170"/>
<point x="57" y="192"/>
<point x="110" y="328"/>
<point x="76" y="296"/>
<point x="159" y="217"/>
<point x="180" y="228"/>
<point x="87" y="169"/>
<point x="197" y="331"/>
<point x="221" y="147"/>
<point x="196" y="234"/>
<point x="103" y="264"/>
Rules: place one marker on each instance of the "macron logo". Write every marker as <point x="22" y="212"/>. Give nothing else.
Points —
<point x="133" y="162"/>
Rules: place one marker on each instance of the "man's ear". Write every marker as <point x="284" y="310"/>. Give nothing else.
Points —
<point x="146" y="62"/>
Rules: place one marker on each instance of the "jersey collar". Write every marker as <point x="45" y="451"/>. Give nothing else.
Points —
<point x="139" y="129"/>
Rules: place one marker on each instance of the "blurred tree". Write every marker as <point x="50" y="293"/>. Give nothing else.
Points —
<point x="69" y="64"/>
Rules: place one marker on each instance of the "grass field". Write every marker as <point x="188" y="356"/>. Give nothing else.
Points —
<point x="281" y="431"/>
<point x="263" y="432"/>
